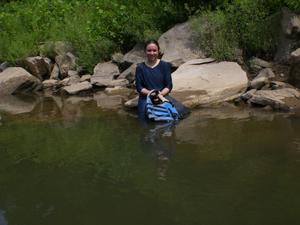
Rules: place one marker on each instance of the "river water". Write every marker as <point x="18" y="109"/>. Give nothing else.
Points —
<point x="72" y="162"/>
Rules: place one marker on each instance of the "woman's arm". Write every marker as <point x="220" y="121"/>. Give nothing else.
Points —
<point x="167" y="80"/>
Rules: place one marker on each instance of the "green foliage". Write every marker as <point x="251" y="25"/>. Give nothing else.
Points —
<point x="248" y="25"/>
<point x="95" y="28"/>
<point x="293" y="4"/>
<point x="214" y="37"/>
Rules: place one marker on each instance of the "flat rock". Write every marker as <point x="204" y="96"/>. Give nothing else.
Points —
<point x="49" y="83"/>
<point x="76" y="88"/>
<point x="17" y="79"/>
<point x="204" y="84"/>
<point x="86" y="77"/>
<point x="107" y="82"/>
<point x="279" y="99"/>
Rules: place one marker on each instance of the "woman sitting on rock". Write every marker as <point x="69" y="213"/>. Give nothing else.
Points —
<point x="155" y="74"/>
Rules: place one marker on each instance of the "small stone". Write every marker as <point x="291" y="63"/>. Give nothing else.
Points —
<point x="86" y="77"/>
<point x="76" y="88"/>
<point x="49" y="83"/>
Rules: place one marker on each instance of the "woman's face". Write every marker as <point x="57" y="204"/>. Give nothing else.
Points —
<point x="152" y="52"/>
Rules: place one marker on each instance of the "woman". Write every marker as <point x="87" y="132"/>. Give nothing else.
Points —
<point x="154" y="74"/>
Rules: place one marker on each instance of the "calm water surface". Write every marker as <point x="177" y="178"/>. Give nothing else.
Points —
<point x="73" y="163"/>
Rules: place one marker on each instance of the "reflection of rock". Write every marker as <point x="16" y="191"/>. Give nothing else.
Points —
<point x="118" y="90"/>
<point x="71" y="112"/>
<point x="78" y="99"/>
<point x="188" y="129"/>
<point x="132" y="103"/>
<point x="108" y="102"/>
<point x="201" y="84"/>
<point x="17" y="104"/>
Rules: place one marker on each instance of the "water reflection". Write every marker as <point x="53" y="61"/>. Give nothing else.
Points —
<point x="18" y="104"/>
<point x="3" y="221"/>
<point x="159" y="142"/>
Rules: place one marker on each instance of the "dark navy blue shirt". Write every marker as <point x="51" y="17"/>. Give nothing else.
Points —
<point x="157" y="78"/>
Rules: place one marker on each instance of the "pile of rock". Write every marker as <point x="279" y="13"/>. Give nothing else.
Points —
<point x="266" y="89"/>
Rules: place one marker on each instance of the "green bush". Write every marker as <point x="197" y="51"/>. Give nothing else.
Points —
<point x="248" y="25"/>
<point x="95" y="28"/>
<point x="214" y="36"/>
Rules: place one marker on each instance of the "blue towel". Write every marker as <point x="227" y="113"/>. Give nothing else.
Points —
<point x="164" y="111"/>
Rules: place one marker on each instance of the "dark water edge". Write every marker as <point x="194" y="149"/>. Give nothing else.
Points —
<point x="76" y="163"/>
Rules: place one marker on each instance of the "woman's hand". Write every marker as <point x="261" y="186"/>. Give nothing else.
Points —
<point x="164" y="91"/>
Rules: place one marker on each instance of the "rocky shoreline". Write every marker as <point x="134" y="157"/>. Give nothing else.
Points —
<point x="198" y="81"/>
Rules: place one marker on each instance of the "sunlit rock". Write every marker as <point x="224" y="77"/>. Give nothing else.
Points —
<point x="16" y="79"/>
<point x="285" y="99"/>
<point x="79" y="87"/>
<point x="198" y="84"/>
<point x="86" y="77"/>
<point x="107" y="82"/>
<point x="178" y="46"/>
<point x="38" y="66"/>
<point x="106" y="70"/>
<point x="65" y="63"/>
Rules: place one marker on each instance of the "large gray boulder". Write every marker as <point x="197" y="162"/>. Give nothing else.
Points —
<point x="135" y="55"/>
<point x="178" y="46"/>
<point x="263" y="78"/>
<point x="106" y="82"/>
<point x="16" y="79"/>
<point x="38" y="66"/>
<point x="65" y="63"/>
<point x="129" y="74"/>
<point x="294" y="76"/>
<point x="289" y="34"/>
<point x="197" y="84"/>
<point x="106" y="70"/>
<point x="3" y="66"/>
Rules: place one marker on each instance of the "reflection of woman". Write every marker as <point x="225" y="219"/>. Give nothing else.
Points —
<point x="154" y="74"/>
